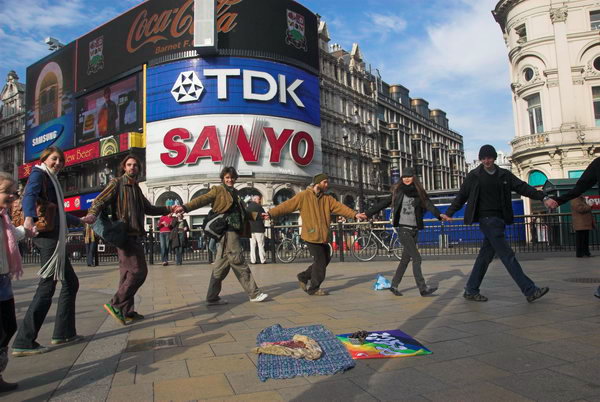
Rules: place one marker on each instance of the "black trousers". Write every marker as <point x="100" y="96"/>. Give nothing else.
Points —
<point x="8" y="327"/>
<point x="582" y="243"/>
<point x="315" y="274"/>
<point x="64" y="325"/>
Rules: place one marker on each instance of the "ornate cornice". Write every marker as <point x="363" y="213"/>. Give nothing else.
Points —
<point x="501" y="11"/>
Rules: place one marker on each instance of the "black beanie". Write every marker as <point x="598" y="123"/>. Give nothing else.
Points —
<point x="487" y="151"/>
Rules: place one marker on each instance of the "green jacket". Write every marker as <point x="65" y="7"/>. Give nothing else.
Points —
<point x="221" y="201"/>
<point x="315" y="211"/>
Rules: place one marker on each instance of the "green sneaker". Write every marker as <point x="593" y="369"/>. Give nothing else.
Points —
<point x="20" y="352"/>
<point x="115" y="313"/>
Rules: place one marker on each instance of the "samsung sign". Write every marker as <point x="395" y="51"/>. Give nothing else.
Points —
<point x="57" y="132"/>
<point x="229" y="85"/>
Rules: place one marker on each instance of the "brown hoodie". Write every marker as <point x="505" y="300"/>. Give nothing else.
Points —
<point x="315" y="211"/>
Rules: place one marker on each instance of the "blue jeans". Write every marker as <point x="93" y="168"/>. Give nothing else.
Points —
<point x="164" y="246"/>
<point x="495" y="243"/>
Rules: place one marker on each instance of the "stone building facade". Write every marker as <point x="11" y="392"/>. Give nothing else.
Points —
<point x="12" y="124"/>
<point x="554" y="56"/>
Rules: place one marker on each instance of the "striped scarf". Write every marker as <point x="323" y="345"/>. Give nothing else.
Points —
<point x="130" y="204"/>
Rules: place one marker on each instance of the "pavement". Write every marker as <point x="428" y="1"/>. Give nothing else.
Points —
<point x="503" y="350"/>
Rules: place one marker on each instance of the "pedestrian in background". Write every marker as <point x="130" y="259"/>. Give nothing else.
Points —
<point x="91" y="246"/>
<point x="165" y="225"/>
<point x="10" y="268"/>
<point x="178" y="238"/>
<point x="130" y="206"/>
<point x="583" y="222"/>
<point x="409" y="202"/>
<point x="43" y="187"/>
<point x="257" y="227"/>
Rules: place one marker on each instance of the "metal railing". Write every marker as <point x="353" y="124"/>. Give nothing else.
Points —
<point x="528" y="234"/>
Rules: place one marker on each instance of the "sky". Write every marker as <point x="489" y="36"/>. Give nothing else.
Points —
<point x="449" y="52"/>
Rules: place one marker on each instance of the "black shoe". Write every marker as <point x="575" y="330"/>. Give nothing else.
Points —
<point x="395" y="291"/>
<point x="7" y="386"/>
<point x="133" y="317"/>
<point x="428" y="291"/>
<point x="539" y="292"/>
<point x="478" y="297"/>
<point x="597" y="293"/>
<point x="303" y="285"/>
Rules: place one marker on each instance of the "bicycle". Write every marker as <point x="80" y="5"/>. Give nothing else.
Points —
<point x="288" y="249"/>
<point x="365" y="247"/>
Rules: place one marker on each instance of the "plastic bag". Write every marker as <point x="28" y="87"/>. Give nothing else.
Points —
<point x="381" y="283"/>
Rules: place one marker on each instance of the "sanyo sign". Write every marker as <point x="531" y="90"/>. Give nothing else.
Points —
<point x="229" y="85"/>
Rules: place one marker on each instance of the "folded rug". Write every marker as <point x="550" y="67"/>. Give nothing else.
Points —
<point x="382" y="344"/>
<point x="335" y="357"/>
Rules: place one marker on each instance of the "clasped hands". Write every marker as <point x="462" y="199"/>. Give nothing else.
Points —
<point x="359" y="216"/>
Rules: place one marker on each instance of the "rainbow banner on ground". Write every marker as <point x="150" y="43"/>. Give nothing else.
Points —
<point x="382" y="345"/>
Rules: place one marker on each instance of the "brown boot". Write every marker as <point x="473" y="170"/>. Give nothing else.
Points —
<point x="7" y="386"/>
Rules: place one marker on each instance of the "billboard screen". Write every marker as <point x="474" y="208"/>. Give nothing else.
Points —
<point x="108" y="111"/>
<point x="276" y="29"/>
<point x="203" y="145"/>
<point x="220" y="85"/>
<point x="49" y="102"/>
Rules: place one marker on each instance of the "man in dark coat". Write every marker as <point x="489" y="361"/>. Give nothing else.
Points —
<point x="487" y="190"/>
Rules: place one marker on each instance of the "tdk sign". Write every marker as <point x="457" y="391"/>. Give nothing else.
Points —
<point x="225" y="85"/>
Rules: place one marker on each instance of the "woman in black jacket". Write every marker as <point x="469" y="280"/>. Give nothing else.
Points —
<point x="408" y="201"/>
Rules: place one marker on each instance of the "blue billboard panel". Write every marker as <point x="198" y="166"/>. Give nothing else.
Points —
<point x="232" y="85"/>
<point x="87" y="200"/>
<point x="58" y="132"/>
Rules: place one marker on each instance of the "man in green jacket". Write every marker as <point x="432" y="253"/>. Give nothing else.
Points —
<point x="225" y="199"/>
<point x="315" y="209"/>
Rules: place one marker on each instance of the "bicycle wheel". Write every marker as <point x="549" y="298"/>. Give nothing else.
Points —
<point x="286" y="251"/>
<point x="396" y="248"/>
<point x="364" y="248"/>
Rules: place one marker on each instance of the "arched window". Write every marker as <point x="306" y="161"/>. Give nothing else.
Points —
<point x="169" y="199"/>
<point x="247" y="192"/>
<point x="282" y="195"/>
<point x="537" y="178"/>
<point x="200" y="192"/>
<point x="349" y="201"/>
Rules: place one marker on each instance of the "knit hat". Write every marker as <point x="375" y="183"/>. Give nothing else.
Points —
<point x="487" y="151"/>
<point x="408" y="171"/>
<point x="320" y="177"/>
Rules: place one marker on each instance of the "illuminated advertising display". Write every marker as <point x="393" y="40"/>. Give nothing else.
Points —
<point x="49" y="103"/>
<point x="280" y="30"/>
<point x="108" y="111"/>
<point x="231" y="85"/>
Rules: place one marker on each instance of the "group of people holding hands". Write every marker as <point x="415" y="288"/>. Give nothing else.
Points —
<point x="486" y="190"/>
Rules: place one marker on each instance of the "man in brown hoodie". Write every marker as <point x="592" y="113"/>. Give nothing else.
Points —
<point x="315" y="209"/>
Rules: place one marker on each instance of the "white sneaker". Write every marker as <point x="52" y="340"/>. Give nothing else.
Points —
<point x="259" y="297"/>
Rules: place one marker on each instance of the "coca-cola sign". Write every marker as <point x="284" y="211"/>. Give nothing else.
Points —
<point x="159" y="28"/>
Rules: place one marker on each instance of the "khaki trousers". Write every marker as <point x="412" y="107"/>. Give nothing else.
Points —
<point x="230" y="256"/>
<point x="257" y="239"/>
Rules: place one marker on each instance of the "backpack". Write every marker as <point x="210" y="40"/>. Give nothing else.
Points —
<point x="215" y="225"/>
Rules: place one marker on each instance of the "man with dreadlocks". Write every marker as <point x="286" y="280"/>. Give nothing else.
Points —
<point x="129" y="205"/>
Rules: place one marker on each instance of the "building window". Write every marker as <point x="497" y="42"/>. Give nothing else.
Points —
<point x="595" y="20"/>
<point x="534" y="109"/>
<point x="575" y="174"/>
<point x="528" y="74"/>
<point x="521" y="34"/>
<point x="596" y="63"/>
<point x="596" y="100"/>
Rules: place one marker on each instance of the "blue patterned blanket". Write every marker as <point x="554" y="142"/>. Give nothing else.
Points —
<point x="335" y="357"/>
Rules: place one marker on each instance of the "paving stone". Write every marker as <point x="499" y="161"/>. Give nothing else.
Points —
<point x="333" y="390"/>
<point x="462" y="371"/>
<point x="542" y="333"/>
<point x="481" y="327"/>
<point x="519" y="360"/>
<point x="547" y="385"/>
<point x="386" y="386"/>
<point x="566" y="349"/>
<point x="497" y="341"/>
<point x="219" y="364"/>
<point x="161" y="371"/>
<point x="439" y="334"/>
<point x="586" y="370"/>
<point x="266" y="396"/>
<point x="475" y="393"/>
<point x="188" y="389"/>
<point x="247" y="381"/>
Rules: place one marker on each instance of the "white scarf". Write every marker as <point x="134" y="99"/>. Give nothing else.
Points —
<point x="55" y="266"/>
